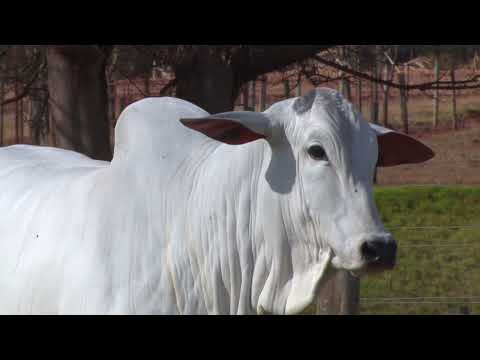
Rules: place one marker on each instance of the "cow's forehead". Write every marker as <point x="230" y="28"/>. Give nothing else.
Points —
<point x="323" y="98"/>
<point x="322" y="111"/>
<point x="329" y="106"/>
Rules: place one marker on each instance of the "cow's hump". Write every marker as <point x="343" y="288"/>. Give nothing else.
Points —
<point x="150" y="129"/>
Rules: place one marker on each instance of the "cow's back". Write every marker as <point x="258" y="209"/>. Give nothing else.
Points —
<point x="41" y="190"/>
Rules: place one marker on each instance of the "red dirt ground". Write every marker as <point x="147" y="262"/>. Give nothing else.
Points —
<point x="457" y="160"/>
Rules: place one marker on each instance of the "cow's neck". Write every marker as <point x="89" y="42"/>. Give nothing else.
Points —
<point x="221" y="218"/>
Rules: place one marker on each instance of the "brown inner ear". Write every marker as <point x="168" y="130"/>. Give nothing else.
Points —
<point x="226" y="131"/>
<point x="397" y="149"/>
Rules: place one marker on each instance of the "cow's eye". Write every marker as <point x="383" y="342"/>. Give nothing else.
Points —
<point x="317" y="152"/>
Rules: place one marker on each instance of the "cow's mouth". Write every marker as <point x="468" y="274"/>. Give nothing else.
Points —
<point x="376" y="266"/>
<point x="340" y="263"/>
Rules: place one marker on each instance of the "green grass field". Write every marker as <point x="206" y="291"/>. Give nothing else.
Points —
<point x="436" y="260"/>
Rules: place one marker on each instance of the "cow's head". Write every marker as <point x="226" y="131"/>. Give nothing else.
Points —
<point x="321" y="166"/>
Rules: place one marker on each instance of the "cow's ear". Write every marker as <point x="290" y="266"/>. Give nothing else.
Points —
<point x="233" y="128"/>
<point x="395" y="148"/>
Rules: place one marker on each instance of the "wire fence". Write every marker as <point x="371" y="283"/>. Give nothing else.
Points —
<point x="446" y="303"/>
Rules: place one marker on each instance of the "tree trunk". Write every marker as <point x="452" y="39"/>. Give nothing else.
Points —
<point x="286" y="89"/>
<point x="78" y="99"/>
<point x="212" y="76"/>
<point x="359" y="85"/>
<point x="436" y="94"/>
<point x="246" y="97"/>
<point x="374" y="111"/>
<point x="17" y="119"/>
<point x="403" y="102"/>
<point x="299" y="85"/>
<point x="263" y="94"/>
<point x="146" y="82"/>
<point x="374" y="103"/>
<point x="44" y="139"/>
<point x="345" y="88"/>
<point x="386" y="92"/>
<point x="35" y="108"/>
<point x="39" y="114"/>
<point x="253" y="95"/>
<point x="206" y="80"/>
<point x="344" y="82"/>
<point x="359" y="94"/>
<point x="454" y="97"/>
<point x="2" y="112"/>
<point x="21" y="122"/>
<point x="112" y="103"/>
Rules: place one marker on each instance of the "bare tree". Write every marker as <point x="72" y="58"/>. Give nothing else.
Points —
<point x="212" y="76"/>
<point x="470" y="83"/>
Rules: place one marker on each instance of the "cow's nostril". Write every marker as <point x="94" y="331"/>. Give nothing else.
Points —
<point x="370" y="251"/>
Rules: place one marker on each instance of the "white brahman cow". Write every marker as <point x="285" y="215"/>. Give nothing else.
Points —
<point x="235" y="213"/>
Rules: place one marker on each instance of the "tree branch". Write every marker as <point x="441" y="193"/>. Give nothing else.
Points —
<point x="440" y="85"/>
<point x="256" y="60"/>
<point x="26" y="88"/>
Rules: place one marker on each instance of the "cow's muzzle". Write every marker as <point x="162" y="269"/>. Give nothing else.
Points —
<point x="379" y="254"/>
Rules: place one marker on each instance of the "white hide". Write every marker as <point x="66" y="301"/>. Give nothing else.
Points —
<point x="179" y="223"/>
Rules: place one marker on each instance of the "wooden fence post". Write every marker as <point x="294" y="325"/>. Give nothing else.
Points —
<point x="465" y="310"/>
<point x="340" y="295"/>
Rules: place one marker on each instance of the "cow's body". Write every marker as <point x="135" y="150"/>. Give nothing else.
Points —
<point x="65" y="216"/>
<point x="177" y="223"/>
